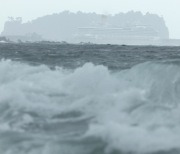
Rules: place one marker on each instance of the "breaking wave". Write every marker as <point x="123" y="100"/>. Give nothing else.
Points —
<point x="89" y="110"/>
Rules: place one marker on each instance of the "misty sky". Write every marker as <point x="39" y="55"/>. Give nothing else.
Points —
<point x="31" y="9"/>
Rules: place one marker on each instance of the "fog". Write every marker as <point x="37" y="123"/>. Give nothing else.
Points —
<point x="29" y="10"/>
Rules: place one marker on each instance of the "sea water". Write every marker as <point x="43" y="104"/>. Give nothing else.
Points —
<point x="89" y="99"/>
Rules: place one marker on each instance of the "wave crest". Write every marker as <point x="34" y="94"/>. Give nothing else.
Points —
<point x="134" y="110"/>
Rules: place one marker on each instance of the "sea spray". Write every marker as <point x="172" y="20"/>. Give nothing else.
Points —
<point x="89" y="110"/>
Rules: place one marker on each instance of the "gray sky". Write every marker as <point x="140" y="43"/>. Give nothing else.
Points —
<point x="31" y="9"/>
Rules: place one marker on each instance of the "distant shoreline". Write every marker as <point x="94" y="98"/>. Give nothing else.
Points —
<point x="90" y="43"/>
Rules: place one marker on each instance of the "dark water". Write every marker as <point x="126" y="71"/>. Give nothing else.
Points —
<point x="72" y="56"/>
<point x="89" y="99"/>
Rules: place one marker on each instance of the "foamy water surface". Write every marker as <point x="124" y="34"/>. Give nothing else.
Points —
<point x="100" y="100"/>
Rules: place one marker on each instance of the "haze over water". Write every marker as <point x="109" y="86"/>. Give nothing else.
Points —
<point x="30" y="10"/>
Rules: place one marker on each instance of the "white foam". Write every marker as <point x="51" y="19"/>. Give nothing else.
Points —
<point x="134" y="110"/>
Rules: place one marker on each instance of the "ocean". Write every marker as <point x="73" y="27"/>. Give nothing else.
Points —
<point x="89" y="99"/>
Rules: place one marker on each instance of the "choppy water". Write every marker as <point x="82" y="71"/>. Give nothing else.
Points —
<point x="89" y="99"/>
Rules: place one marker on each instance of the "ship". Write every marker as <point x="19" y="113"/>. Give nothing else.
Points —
<point x="138" y="34"/>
